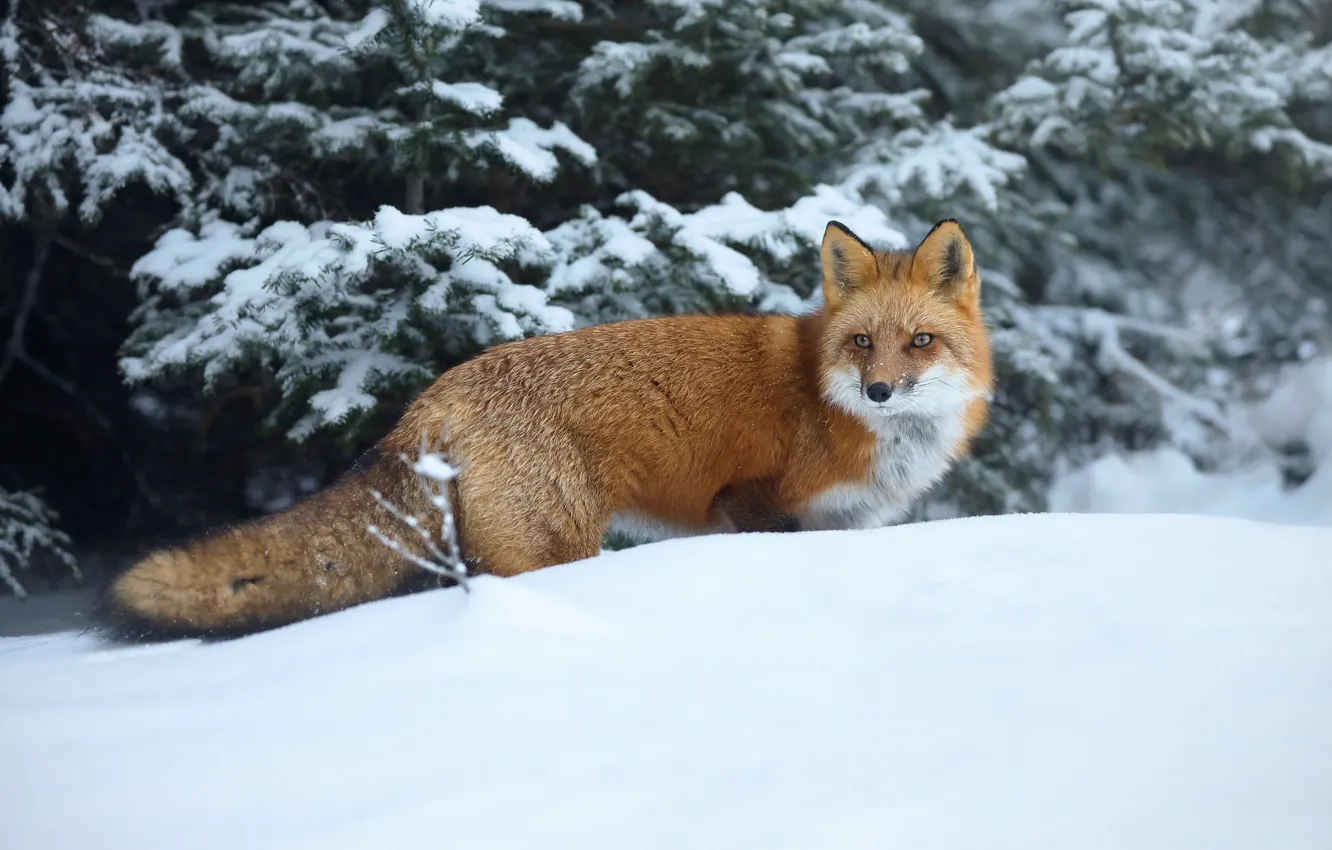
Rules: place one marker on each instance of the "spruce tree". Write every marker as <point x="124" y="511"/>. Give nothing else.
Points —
<point x="1178" y="144"/>
<point x="349" y="197"/>
<point x="335" y="310"/>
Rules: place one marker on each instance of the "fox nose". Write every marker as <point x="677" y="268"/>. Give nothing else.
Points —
<point x="879" y="391"/>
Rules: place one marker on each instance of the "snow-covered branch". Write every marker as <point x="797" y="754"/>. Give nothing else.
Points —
<point x="437" y="539"/>
<point x="28" y="527"/>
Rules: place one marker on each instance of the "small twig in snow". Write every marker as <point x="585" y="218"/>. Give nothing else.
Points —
<point x="444" y="554"/>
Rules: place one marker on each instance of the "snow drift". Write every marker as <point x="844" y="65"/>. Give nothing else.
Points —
<point x="1043" y="681"/>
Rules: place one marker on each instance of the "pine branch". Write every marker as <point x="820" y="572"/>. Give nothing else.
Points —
<point x="104" y="263"/>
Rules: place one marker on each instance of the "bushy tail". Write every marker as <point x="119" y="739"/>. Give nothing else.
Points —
<point x="314" y="558"/>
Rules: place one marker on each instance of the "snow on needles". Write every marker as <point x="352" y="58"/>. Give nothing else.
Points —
<point x="45" y="128"/>
<point x="564" y="10"/>
<point x="1182" y="69"/>
<point x="531" y="148"/>
<point x="721" y="240"/>
<point x="284" y="297"/>
<point x="451" y="14"/>
<point x="940" y="161"/>
<point x="475" y="98"/>
<point x="28" y="526"/>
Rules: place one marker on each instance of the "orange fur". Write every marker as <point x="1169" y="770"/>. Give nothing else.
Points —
<point x="679" y="425"/>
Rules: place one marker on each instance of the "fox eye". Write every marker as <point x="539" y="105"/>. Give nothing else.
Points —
<point x="922" y="340"/>
<point x="861" y="341"/>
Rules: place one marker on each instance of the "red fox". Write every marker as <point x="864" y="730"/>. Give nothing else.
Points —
<point x="653" y="427"/>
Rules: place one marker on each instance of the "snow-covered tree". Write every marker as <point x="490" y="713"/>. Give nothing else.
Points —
<point x="28" y="529"/>
<point x="1159" y="78"/>
<point x="354" y="195"/>
<point x="757" y="97"/>
<point x="78" y="125"/>
<point x="1168" y="143"/>
<point x="337" y="311"/>
<point x="333" y="311"/>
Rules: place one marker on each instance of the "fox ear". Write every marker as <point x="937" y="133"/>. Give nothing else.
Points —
<point x="944" y="261"/>
<point x="848" y="263"/>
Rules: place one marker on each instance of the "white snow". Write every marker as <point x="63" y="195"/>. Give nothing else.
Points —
<point x="1298" y="412"/>
<point x="435" y="467"/>
<point x="701" y="234"/>
<point x="308" y="41"/>
<point x="180" y="260"/>
<point x="617" y="248"/>
<point x="1119" y="58"/>
<point x="167" y="39"/>
<point x="1166" y="480"/>
<point x="48" y="128"/>
<point x="564" y="10"/>
<point x="476" y="98"/>
<point x="624" y="62"/>
<point x="530" y="148"/>
<point x="356" y="371"/>
<point x="734" y="219"/>
<point x="369" y="27"/>
<point x="29" y="525"/>
<point x="595" y="248"/>
<point x="278" y="287"/>
<point x="809" y="217"/>
<point x="802" y="62"/>
<point x="941" y="160"/>
<point x="1299" y="409"/>
<point x="1046" y="681"/>
<point x="451" y="14"/>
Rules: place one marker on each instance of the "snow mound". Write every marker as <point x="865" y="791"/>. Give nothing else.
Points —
<point x="1045" y="681"/>
<point x="1165" y="480"/>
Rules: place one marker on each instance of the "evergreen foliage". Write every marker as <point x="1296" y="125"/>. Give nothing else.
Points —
<point x="360" y="194"/>
<point x="27" y="529"/>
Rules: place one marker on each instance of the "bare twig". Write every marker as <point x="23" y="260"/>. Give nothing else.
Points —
<point x="14" y="351"/>
<point x="96" y="259"/>
<point x="444" y="554"/>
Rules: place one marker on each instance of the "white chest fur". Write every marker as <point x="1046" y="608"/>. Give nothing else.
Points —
<point x="913" y="453"/>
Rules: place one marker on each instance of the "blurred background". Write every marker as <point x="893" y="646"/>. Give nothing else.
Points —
<point x="236" y="238"/>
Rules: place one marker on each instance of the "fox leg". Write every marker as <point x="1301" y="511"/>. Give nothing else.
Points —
<point x="751" y="506"/>
<point x="522" y="514"/>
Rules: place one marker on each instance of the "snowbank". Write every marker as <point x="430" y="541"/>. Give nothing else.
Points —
<point x="1031" y="681"/>
<point x="1165" y="480"/>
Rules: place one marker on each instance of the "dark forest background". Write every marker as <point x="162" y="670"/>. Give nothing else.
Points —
<point x="236" y="238"/>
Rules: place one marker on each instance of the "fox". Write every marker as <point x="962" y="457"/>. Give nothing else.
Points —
<point x="840" y="417"/>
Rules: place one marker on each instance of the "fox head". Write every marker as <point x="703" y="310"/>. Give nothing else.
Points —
<point x="903" y="333"/>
